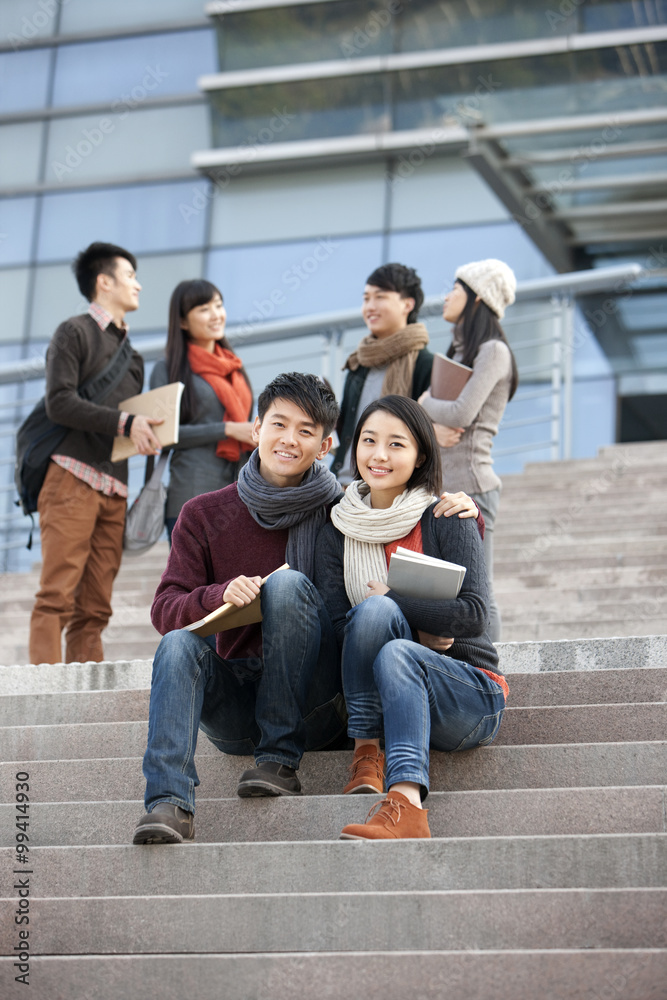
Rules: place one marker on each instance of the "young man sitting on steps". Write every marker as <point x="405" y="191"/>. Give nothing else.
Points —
<point x="272" y="689"/>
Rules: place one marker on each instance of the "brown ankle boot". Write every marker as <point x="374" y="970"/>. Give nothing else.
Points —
<point x="395" y="819"/>
<point x="367" y="771"/>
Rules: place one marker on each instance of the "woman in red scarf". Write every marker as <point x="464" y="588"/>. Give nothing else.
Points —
<point x="215" y="435"/>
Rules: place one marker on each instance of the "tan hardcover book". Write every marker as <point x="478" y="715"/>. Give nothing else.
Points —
<point x="448" y="377"/>
<point x="230" y="616"/>
<point x="162" y="402"/>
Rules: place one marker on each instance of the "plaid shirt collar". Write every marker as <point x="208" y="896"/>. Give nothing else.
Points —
<point x="103" y="318"/>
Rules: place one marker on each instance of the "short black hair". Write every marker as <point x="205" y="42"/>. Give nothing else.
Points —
<point x="429" y="473"/>
<point x="401" y="279"/>
<point x="309" y="392"/>
<point x="96" y="259"/>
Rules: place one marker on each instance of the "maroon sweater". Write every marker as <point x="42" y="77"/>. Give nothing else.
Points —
<point x="214" y="541"/>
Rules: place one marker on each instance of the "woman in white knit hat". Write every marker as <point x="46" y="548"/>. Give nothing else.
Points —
<point x="465" y="427"/>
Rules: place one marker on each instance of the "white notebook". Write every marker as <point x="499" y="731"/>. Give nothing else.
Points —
<point x="413" y="574"/>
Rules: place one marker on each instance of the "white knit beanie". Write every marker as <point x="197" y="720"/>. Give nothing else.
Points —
<point x="492" y="280"/>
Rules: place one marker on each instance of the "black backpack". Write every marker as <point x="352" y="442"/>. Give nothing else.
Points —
<point x="38" y="437"/>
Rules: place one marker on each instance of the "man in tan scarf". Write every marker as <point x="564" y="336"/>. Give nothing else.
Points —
<point x="391" y="358"/>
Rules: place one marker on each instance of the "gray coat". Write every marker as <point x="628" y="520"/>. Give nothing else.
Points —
<point x="194" y="467"/>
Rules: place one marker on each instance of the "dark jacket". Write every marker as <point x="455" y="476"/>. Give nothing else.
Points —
<point x="354" y="384"/>
<point x="464" y="619"/>
<point x="80" y="348"/>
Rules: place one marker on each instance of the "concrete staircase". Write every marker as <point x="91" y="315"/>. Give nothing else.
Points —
<point x="546" y="875"/>
<point x="581" y="546"/>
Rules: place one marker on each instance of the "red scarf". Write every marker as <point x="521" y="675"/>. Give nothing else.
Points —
<point x="222" y="372"/>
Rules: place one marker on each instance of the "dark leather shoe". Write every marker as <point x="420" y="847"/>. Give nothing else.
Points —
<point x="166" y="824"/>
<point x="269" y="778"/>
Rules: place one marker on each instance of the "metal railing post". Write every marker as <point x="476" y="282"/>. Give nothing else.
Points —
<point x="567" y="348"/>
<point x="556" y="381"/>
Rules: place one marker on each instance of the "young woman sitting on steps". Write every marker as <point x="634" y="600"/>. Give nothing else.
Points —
<point x="423" y="673"/>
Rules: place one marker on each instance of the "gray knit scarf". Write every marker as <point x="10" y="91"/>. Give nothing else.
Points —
<point x="302" y="509"/>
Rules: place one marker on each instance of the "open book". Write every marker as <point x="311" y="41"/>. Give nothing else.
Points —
<point x="413" y="574"/>
<point x="165" y="402"/>
<point x="230" y="616"/>
<point x="448" y="377"/>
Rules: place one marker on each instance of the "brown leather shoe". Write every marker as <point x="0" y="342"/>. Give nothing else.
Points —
<point x="367" y="771"/>
<point x="395" y="819"/>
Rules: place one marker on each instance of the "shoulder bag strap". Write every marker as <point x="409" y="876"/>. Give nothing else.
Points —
<point x="98" y="387"/>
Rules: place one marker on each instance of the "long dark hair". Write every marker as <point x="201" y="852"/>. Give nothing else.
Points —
<point x="476" y="325"/>
<point x="429" y="473"/>
<point x="186" y="296"/>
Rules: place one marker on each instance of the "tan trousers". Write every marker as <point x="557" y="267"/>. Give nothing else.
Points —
<point x="82" y="544"/>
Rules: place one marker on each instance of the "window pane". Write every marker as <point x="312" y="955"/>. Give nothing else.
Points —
<point x="125" y="143"/>
<point x="23" y="79"/>
<point x="89" y="15"/>
<point x="16" y="223"/>
<point x="293" y="279"/>
<point x="436" y="254"/>
<point x="159" y="276"/>
<point x="23" y="20"/>
<point x="20" y="144"/>
<point x="55" y="297"/>
<point x="305" y="33"/>
<point x="430" y="190"/>
<point x="321" y="202"/>
<point x="13" y="295"/>
<point x="143" y="218"/>
<point x="133" y="69"/>
<point x="305" y="110"/>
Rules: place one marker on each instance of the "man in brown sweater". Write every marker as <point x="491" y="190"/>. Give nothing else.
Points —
<point x="82" y="502"/>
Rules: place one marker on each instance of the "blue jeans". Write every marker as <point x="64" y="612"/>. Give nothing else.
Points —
<point x="418" y="697"/>
<point x="276" y="706"/>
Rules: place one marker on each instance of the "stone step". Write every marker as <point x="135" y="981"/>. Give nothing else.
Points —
<point x="566" y="629"/>
<point x="545" y="598"/>
<point x="566" y="765"/>
<point x="515" y="657"/>
<point x="351" y="921"/>
<point x="553" y="688"/>
<point x="563" y="547"/>
<point x="596" y="861"/>
<point x="566" y="974"/>
<point x="577" y="612"/>
<point x="512" y="563"/>
<point x="520" y="726"/>
<point x="497" y="813"/>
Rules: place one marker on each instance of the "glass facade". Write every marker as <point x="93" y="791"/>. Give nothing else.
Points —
<point x="100" y="114"/>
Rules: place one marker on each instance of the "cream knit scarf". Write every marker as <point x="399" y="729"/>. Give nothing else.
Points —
<point x="399" y="351"/>
<point x="367" y="530"/>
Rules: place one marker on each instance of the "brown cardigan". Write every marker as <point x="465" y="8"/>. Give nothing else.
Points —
<point x="80" y="348"/>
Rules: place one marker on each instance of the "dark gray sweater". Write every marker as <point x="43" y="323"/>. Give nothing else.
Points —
<point x="464" y="619"/>
<point x="79" y="349"/>
<point x="194" y="467"/>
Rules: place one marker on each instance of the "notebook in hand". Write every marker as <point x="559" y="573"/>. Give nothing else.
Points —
<point x="413" y="574"/>
<point x="229" y="615"/>
<point x="448" y="377"/>
<point x="165" y="402"/>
